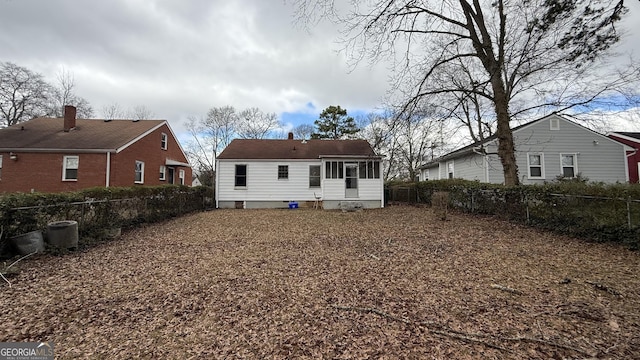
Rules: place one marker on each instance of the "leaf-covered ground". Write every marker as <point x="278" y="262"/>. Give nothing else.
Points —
<point x="279" y="284"/>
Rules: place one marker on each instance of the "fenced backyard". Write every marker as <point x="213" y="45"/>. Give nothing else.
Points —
<point x="592" y="217"/>
<point x="279" y="284"/>
<point x="96" y="211"/>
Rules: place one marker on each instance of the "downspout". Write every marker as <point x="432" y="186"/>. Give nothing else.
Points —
<point x="108" y="170"/>
<point x="217" y="183"/>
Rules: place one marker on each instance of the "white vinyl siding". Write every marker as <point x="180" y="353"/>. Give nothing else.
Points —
<point x="70" y="166"/>
<point x="262" y="187"/>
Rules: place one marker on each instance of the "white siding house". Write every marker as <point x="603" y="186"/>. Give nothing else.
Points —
<point x="273" y="173"/>
<point x="545" y="149"/>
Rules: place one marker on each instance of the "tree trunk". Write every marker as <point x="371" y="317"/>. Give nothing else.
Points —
<point x="506" y="148"/>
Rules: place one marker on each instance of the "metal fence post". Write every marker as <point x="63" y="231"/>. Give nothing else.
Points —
<point x="629" y="211"/>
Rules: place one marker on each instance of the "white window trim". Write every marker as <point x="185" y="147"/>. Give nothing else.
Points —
<point x="141" y="172"/>
<point x="319" y="178"/>
<point x="575" y="164"/>
<point x="64" y="167"/>
<point x="453" y="169"/>
<point x="0" y="167"/>
<point x="246" y="177"/>
<point x="542" y="173"/>
<point x="164" y="141"/>
<point x="554" y="124"/>
<point x="163" y="172"/>
<point x="181" y="176"/>
<point x="278" y="173"/>
<point x="425" y="176"/>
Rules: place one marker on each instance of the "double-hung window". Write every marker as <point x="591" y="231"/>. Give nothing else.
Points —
<point x="181" y="176"/>
<point x="70" y="168"/>
<point x="569" y="165"/>
<point x="536" y="166"/>
<point x="163" y="141"/>
<point x="139" y="179"/>
<point x="314" y="176"/>
<point x="0" y="167"/>
<point x="241" y="176"/>
<point x="450" y="170"/>
<point x="163" y="172"/>
<point x="283" y="172"/>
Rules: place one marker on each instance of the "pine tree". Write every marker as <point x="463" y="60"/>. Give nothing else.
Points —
<point x="334" y="123"/>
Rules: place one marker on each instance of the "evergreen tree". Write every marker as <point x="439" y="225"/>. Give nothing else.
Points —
<point x="334" y="123"/>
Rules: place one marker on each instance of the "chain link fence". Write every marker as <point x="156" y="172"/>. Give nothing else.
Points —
<point x="597" y="218"/>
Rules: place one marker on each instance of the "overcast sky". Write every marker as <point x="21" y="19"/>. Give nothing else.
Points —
<point x="182" y="57"/>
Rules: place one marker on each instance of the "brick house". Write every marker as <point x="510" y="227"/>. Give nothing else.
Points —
<point x="68" y="154"/>
<point x="631" y="139"/>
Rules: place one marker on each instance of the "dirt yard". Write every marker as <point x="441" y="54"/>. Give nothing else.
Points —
<point x="281" y="284"/>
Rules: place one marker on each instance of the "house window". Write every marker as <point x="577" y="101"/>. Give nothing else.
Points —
<point x="536" y="166"/>
<point x="554" y="124"/>
<point x="0" y="166"/>
<point x="283" y="172"/>
<point x="450" y="172"/>
<point x="70" y="168"/>
<point x="569" y="165"/>
<point x="314" y="176"/>
<point x="334" y="170"/>
<point x="369" y="169"/>
<point x="241" y="176"/>
<point x="425" y="174"/>
<point x="163" y="172"/>
<point x="139" y="172"/>
<point x="163" y="141"/>
<point x="181" y="176"/>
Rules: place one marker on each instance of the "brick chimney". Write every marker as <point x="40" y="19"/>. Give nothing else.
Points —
<point x="69" y="117"/>
<point x="290" y="137"/>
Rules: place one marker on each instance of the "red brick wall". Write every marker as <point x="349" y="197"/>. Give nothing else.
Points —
<point x="148" y="150"/>
<point x="42" y="172"/>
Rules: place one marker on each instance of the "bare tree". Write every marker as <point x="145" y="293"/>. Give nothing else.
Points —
<point x="520" y="56"/>
<point x="303" y="131"/>
<point x="23" y="94"/>
<point x="113" y="111"/>
<point x="63" y="94"/>
<point x="252" y="123"/>
<point x="141" y="112"/>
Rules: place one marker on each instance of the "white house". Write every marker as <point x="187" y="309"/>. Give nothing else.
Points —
<point x="545" y="149"/>
<point x="272" y="173"/>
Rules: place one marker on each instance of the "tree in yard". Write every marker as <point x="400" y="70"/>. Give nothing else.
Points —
<point x="253" y="123"/>
<point x="334" y="123"/>
<point x="113" y="111"/>
<point x="303" y="131"/>
<point x="404" y="140"/>
<point x="517" y="57"/>
<point x="23" y="94"/>
<point x="62" y="94"/>
<point x="141" y="112"/>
